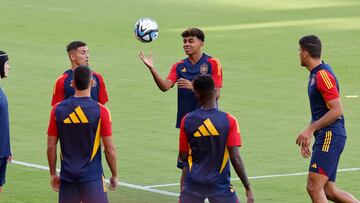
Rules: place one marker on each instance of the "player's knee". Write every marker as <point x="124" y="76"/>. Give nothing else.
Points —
<point x="312" y="188"/>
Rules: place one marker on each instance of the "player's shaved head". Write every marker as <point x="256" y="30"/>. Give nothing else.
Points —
<point x="194" y="32"/>
<point x="312" y="45"/>
<point x="82" y="77"/>
<point x="204" y="88"/>
<point x="74" y="45"/>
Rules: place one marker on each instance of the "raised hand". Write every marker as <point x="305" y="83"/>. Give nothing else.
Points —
<point x="148" y="61"/>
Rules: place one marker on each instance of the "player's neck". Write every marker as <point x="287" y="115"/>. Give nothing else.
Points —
<point x="82" y="93"/>
<point x="194" y="58"/>
<point x="313" y="64"/>
<point x="211" y="104"/>
<point x="73" y="66"/>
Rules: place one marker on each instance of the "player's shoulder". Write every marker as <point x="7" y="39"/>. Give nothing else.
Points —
<point x="96" y="74"/>
<point x="61" y="105"/>
<point x="102" y="107"/>
<point x="191" y="116"/>
<point x="214" y="61"/>
<point x="230" y="117"/>
<point x="56" y="105"/>
<point x="210" y="58"/>
<point x="104" y="111"/>
<point x="176" y="64"/>
<point x="325" y="72"/>
<point x="62" y="77"/>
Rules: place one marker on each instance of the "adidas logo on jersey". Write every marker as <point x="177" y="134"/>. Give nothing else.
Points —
<point x="206" y="129"/>
<point x="77" y="116"/>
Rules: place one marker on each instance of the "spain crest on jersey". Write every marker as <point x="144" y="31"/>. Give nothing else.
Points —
<point x="312" y="80"/>
<point x="204" y="68"/>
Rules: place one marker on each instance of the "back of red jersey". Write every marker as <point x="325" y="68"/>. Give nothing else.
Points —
<point x="80" y="123"/>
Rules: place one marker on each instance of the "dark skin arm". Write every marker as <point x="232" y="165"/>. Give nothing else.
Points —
<point x="239" y="168"/>
<point x="183" y="157"/>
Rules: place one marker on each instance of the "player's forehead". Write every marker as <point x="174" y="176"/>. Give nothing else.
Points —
<point x="190" y="38"/>
<point x="82" y="49"/>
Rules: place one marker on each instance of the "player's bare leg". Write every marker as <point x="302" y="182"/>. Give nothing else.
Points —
<point x="315" y="187"/>
<point x="0" y="189"/>
<point x="336" y="195"/>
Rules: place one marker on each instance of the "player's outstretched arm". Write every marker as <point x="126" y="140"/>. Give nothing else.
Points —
<point x="163" y="85"/>
<point x="110" y="155"/>
<point x="239" y="167"/>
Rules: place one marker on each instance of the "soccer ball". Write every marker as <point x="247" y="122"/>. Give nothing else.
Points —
<point x="146" y="30"/>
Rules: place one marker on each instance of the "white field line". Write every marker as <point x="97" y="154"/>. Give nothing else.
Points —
<point x="259" y="177"/>
<point x="352" y="96"/>
<point x="137" y="187"/>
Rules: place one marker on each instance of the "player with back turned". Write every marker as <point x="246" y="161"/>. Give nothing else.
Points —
<point x="80" y="123"/>
<point x="208" y="139"/>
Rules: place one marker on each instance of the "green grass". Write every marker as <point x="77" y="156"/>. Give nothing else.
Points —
<point x="264" y="85"/>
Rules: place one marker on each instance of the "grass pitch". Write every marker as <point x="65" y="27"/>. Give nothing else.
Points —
<point x="264" y="85"/>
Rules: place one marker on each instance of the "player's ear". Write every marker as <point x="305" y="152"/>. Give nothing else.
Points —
<point x="92" y="83"/>
<point x="72" y="56"/>
<point x="201" y="43"/>
<point x="306" y="54"/>
<point x="72" y="84"/>
<point x="197" y="96"/>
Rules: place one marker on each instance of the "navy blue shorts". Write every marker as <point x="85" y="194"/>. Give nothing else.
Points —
<point x="326" y="153"/>
<point x="228" y="197"/>
<point x="3" y="163"/>
<point x="85" y="192"/>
